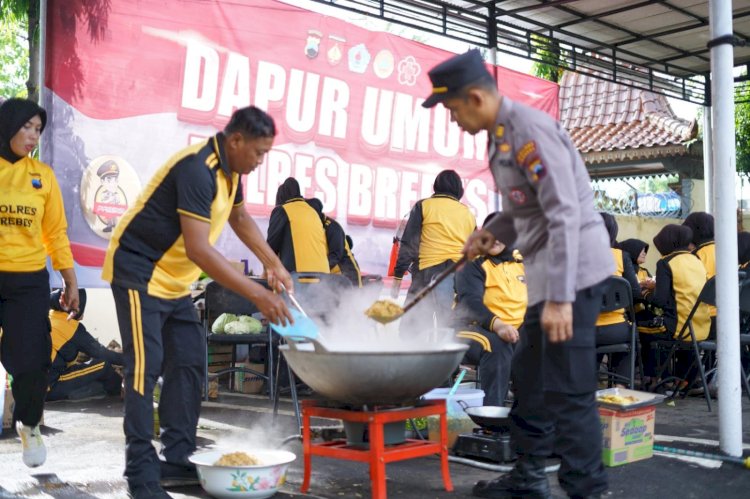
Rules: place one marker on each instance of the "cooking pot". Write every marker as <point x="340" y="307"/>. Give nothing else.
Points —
<point x="490" y="417"/>
<point x="385" y="377"/>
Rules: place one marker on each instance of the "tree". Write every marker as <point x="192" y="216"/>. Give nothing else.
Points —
<point x="742" y="127"/>
<point x="549" y="51"/>
<point x="94" y="12"/>
<point x="27" y="12"/>
<point x="14" y="55"/>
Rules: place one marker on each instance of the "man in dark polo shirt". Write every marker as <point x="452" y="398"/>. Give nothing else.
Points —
<point x="157" y="250"/>
<point x="548" y="209"/>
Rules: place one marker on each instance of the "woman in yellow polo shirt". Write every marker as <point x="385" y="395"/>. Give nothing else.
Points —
<point x="32" y="227"/>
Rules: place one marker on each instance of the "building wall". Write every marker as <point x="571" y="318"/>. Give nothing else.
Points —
<point x="643" y="228"/>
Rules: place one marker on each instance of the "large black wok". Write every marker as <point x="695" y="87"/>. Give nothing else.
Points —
<point x="372" y="378"/>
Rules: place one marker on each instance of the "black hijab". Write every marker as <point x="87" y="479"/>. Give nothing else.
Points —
<point x="633" y="247"/>
<point x="288" y="190"/>
<point x="673" y="238"/>
<point x="611" y="224"/>
<point x="448" y="182"/>
<point x="702" y="225"/>
<point x="14" y="114"/>
<point x="743" y="247"/>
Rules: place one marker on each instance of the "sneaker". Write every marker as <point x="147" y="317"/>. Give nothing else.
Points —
<point x="34" y="451"/>
<point x="177" y="475"/>
<point x="149" y="490"/>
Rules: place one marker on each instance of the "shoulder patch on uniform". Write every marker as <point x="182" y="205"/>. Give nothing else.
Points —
<point x="525" y="151"/>
<point x="536" y="169"/>
<point x="517" y="196"/>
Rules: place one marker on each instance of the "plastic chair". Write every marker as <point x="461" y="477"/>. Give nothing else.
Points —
<point x="617" y="295"/>
<point x="219" y="300"/>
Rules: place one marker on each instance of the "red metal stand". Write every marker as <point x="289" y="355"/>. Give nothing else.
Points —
<point x="377" y="454"/>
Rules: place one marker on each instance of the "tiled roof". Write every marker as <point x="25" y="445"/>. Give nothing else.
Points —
<point x="604" y="117"/>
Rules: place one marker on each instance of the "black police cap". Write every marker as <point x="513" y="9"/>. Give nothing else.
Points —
<point x="452" y="75"/>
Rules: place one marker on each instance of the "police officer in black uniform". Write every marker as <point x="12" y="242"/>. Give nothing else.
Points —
<point x="548" y="208"/>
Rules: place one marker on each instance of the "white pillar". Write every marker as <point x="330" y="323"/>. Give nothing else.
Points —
<point x="725" y="203"/>
<point x="708" y="163"/>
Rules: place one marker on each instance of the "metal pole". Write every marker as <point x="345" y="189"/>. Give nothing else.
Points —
<point x="727" y="299"/>
<point x="708" y="163"/>
<point x="42" y="60"/>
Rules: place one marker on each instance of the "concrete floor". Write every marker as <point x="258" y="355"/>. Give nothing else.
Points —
<point x="86" y="457"/>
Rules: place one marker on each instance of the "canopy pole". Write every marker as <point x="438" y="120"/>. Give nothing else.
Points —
<point x="708" y="160"/>
<point x="727" y="297"/>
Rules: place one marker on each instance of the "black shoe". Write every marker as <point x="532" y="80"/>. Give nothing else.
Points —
<point x="527" y="479"/>
<point x="149" y="490"/>
<point x="178" y="475"/>
<point x="507" y="487"/>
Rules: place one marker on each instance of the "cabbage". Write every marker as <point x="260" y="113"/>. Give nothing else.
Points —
<point x="244" y="325"/>
<point x="221" y="321"/>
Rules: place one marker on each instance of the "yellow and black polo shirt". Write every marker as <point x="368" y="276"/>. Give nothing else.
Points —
<point x="296" y="234"/>
<point x="680" y="277"/>
<point x="436" y="232"/>
<point x="489" y="289"/>
<point x="707" y="254"/>
<point x="32" y="218"/>
<point x="147" y="249"/>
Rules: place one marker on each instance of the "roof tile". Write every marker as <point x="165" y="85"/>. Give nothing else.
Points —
<point x="605" y="116"/>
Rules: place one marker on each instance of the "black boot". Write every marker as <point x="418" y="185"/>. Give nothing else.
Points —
<point x="527" y="479"/>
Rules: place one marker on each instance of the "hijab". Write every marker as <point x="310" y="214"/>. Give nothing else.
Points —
<point x="673" y="238"/>
<point x="448" y="182"/>
<point x="611" y="224"/>
<point x="633" y="247"/>
<point x="702" y="225"/>
<point x="288" y="190"/>
<point x="14" y="114"/>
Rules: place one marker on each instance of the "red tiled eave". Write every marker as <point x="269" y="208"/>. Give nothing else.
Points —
<point x="628" y="123"/>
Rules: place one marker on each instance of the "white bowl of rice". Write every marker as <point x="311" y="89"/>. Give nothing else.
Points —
<point x="240" y="474"/>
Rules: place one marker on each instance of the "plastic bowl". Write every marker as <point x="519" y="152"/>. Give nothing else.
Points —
<point x="257" y="481"/>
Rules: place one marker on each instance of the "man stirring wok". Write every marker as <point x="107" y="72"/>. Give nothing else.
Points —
<point x="548" y="202"/>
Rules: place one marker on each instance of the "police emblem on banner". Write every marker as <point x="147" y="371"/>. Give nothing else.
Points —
<point x="108" y="186"/>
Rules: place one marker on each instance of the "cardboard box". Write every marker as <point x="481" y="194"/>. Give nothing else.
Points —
<point x="246" y="382"/>
<point x="628" y="435"/>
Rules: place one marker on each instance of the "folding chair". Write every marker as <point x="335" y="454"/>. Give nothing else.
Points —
<point x="219" y="300"/>
<point x="685" y="340"/>
<point x="619" y="295"/>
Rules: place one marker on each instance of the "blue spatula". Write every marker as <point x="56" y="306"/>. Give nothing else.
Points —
<point x="303" y="328"/>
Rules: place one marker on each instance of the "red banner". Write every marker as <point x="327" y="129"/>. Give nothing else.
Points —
<point x="134" y="83"/>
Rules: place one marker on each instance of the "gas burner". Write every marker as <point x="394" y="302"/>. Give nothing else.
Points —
<point x="485" y="444"/>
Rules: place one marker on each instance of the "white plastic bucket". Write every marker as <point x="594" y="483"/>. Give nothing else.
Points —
<point x="472" y="397"/>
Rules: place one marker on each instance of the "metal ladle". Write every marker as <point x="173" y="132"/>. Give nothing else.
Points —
<point x="385" y="318"/>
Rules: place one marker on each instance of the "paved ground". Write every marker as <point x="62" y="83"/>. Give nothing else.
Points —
<point x="85" y="458"/>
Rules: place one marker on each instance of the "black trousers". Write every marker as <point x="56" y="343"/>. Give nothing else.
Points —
<point x="555" y="406"/>
<point x="26" y="345"/>
<point x="96" y="375"/>
<point x="159" y="338"/>
<point x="493" y="356"/>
